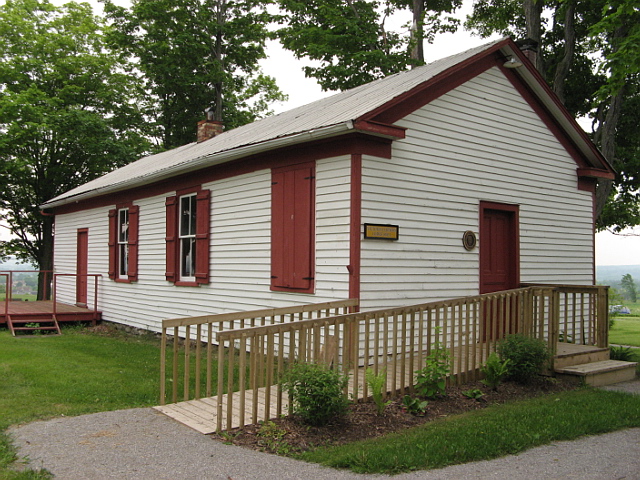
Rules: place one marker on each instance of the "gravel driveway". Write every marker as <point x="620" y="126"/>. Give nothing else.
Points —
<point x="144" y="444"/>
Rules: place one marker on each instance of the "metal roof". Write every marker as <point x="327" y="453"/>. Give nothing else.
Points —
<point x="330" y="116"/>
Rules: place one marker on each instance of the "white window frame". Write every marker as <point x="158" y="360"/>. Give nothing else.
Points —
<point x="187" y="217"/>
<point x="123" y="243"/>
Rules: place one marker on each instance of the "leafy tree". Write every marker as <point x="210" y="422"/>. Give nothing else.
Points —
<point x="588" y="54"/>
<point x="196" y="54"/>
<point x="629" y="287"/>
<point x="67" y="115"/>
<point x="350" y="39"/>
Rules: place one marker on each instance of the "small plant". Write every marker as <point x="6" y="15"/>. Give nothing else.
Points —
<point x="272" y="438"/>
<point x="431" y="380"/>
<point x="494" y="371"/>
<point x="415" y="406"/>
<point x="621" y="353"/>
<point x="474" y="394"/>
<point x="377" y="384"/>
<point x="316" y="392"/>
<point x="526" y="356"/>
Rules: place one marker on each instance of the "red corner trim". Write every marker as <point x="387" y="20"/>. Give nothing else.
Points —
<point x="355" y="238"/>
<point x="585" y="172"/>
<point x="374" y="127"/>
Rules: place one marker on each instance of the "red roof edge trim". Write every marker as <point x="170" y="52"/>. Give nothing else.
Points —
<point x="595" y="173"/>
<point x="533" y="71"/>
<point x="421" y="95"/>
<point x="371" y="126"/>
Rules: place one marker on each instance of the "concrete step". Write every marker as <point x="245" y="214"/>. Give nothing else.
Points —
<point x="605" y="372"/>
<point x="570" y="355"/>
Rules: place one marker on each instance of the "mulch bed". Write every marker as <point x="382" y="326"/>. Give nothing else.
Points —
<point x="289" y="435"/>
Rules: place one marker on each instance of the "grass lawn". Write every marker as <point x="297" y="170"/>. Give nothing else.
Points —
<point x="72" y="374"/>
<point x="486" y="434"/>
<point x="625" y="331"/>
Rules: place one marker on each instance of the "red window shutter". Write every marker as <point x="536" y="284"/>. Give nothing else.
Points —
<point x="203" y="214"/>
<point x="132" y="267"/>
<point x="113" y="243"/>
<point x="292" y="228"/>
<point x="171" y="239"/>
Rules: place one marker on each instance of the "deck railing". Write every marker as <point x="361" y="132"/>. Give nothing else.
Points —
<point x="205" y="326"/>
<point x="45" y="281"/>
<point x="251" y="358"/>
<point x="78" y="277"/>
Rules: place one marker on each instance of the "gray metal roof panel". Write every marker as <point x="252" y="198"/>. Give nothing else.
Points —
<point x="334" y="110"/>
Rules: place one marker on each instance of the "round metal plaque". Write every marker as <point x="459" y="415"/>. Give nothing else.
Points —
<point x="469" y="240"/>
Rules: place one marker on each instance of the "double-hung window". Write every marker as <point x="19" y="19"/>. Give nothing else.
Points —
<point x="123" y="243"/>
<point x="187" y="235"/>
<point x="187" y="239"/>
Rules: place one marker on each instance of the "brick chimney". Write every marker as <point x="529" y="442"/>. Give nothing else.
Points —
<point x="209" y="128"/>
<point x="529" y="47"/>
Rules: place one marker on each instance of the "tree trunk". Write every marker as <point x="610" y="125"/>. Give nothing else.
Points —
<point x="562" y="70"/>
<point x="219" y="54"/>
<point x="417" y="49"/>
<point x="45" y="261"/>
<point x="533" y="19"/>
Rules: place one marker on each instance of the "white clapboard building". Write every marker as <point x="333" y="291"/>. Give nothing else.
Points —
<point x="460" y="177"/>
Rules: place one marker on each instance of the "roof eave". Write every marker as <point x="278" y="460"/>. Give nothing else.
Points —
<point x="207" y="161"/>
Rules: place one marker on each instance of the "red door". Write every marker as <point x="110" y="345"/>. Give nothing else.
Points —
<point x="499" y="268"/>
<point x="81" y="267"/>
<point x="499" y="264"/>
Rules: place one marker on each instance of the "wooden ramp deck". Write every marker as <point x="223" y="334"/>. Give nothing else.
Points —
<point x="201" y="414"/>
<point x="44" y="309"/>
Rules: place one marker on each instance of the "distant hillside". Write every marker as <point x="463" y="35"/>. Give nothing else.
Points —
<point x="12" y="264"/>
<point x="611" y="274"/>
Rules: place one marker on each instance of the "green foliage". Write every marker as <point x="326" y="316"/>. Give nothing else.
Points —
<point x="588" y="54"/>
<point x="69" y="113"/>
<point x="622" y="353"/>
<point x="431" y="380"/>
<point x="494" y="371"/>
<point x="629" y="287"/>
<point x="195" y="54"/>
<point x="316" y="392"/>
<point x="526" y="356"/>
<point x="415" y="406"/>
<point x="474" y="393"/>
<point x="272" y="438"/>
<point x="377" y="386"/>
<point x="489" y="433"/>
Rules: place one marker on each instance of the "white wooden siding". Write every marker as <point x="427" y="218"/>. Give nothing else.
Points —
<point x="481" y="141"/>
<point x="240" y="252"/>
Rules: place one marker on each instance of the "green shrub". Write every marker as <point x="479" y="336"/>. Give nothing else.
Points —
<point x="431" y="380"/>
<point x="527" y="356"/>
<point x="316" y="392"/>
<point x="415" y="406"/>
<point x="623" y="354"/>
<point x="377" y="385"/>
<point x="494" y="371"/>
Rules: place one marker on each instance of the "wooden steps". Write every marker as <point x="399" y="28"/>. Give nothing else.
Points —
<point x="591" y="365"/>
<point x="33" y="325"/>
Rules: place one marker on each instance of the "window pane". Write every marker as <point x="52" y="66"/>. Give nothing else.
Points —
<point x="187" y="257"/>
<point x="123" y="225"/>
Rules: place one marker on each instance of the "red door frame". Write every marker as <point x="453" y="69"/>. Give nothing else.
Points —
<point x="82" y="262"/>
<point x="489" y="246"/>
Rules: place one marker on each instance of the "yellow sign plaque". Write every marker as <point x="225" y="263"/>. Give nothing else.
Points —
<point x="381" y="232"/>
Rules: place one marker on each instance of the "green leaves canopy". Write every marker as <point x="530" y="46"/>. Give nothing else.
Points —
<point x="195" y="54"/>
<point x="67" y="114"/>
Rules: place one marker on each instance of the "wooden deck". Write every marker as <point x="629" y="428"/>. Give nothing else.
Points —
<point x="44" y="309"/>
